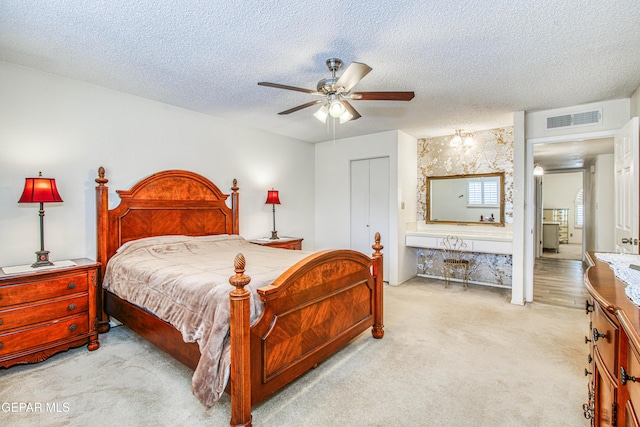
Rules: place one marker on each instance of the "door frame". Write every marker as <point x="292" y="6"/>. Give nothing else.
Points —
<point x="530" y="214"/>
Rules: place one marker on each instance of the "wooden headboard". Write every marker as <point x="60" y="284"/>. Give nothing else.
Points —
<point x="172" y="202"/>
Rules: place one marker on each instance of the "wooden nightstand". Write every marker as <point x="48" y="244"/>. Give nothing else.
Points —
<point x="44" y="312"/>
<point x="294" y="243"/>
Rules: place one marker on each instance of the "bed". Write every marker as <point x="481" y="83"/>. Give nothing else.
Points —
<point x="309" y="311"/>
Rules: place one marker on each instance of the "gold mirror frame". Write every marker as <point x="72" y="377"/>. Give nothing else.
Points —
<point x="499" y="222"/>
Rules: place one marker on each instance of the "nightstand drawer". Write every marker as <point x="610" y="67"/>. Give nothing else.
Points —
<point x="43" y="333"/>
<point x="18" y="316"/>
<point x="43" y="288"/>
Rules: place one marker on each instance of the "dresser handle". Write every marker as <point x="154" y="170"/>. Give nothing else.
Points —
<point x="588" y="307"/>
<point x="72" y="327"/>
<point x="72" y="285"/>
<point x="597" y="335"/>
<point x="0" y="346"/>
<point x="624" y="377"/>
<point x="72" y="306"/>
<point x="0" y="321"/>
<point x="587" y="373"/>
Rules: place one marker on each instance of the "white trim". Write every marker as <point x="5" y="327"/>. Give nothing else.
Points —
<point x="573" y="137"/>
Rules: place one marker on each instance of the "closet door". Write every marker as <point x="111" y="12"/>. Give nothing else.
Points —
<point x="370" y="204"/>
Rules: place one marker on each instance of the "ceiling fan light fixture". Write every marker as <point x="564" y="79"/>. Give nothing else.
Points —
<point x="336" y="108"/>
<point x="322" y="114"/>
<point x="346" y="116"/>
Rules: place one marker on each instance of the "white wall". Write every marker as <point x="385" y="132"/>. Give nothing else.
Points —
<point x="407" y="203"/>
<point x="333" y="198"/>
<point x="604" y="171"/>
<point x="635" y="103"/>
<point x="559" y="190"/>
<point x="67" y="129"/>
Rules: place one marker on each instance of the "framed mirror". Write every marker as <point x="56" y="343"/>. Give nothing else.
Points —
<point x="466" y="199"/>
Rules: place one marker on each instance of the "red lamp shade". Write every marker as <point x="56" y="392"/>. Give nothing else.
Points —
<point x="272" y="198"/>
<point x="40" y="190"/>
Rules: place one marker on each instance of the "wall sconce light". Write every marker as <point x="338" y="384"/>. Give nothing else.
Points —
<point x="538" y="170"/>
<point x="40" y="190"/>
<point x="273" y="199"/>
<point x="460" y="139"/>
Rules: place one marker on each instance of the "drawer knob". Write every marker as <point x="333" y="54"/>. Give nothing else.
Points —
<point x="590" y="359"/>
<point x="624" y="377"/>
<point x="597" y="335"/>
<point x="586" y="340"/>
<point x="588" y="307"/>
<point x="0" y="346"/>
<point x="0" y="321"/>
<point x="72" y="285"/>
<point x="72" y="327"/>
<point x="587" y="373"/>
<point x="72" y="306"/>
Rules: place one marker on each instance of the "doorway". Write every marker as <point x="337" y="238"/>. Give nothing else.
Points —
<point x="561" y="200"/>
<point x="553" y="279"/>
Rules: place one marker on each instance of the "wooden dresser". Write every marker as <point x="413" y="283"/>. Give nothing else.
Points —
<point x="614" y="349"/>
<point x="293" y="243"/>
<point x="48" y="311"/>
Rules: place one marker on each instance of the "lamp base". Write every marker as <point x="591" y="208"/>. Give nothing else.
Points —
<point x="274" y="235"/>
<point x="42" y="259"/>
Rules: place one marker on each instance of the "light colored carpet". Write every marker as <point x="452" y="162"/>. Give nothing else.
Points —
<point x="449" y="358"/>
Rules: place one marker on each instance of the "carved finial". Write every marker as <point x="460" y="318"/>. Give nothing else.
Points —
<point x="240" y="280"/>
<point x="235" y="187"/>
<point x="101" y="179"/>
<point x="377" y="247"/>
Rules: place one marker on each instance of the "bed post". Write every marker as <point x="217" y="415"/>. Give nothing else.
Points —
<point x="378" y="325"/>
<point x="240" y="346"/>
<point x="102" y="208"/>
<point x="234" y="207"/>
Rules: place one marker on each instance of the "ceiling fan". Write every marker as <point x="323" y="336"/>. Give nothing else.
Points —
<point x="336" y="92"/>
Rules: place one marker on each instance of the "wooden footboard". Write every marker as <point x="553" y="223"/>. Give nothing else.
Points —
<point x="313" y="310"/>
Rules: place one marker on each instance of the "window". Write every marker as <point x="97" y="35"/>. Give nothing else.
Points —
<point x="483" y="192"/>
<point x="579" y="219"/>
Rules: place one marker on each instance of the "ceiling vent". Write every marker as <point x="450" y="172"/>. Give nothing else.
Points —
<point x="593" y="117"/>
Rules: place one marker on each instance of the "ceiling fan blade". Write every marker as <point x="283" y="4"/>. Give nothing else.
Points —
<point x="299" y="89"/>
<point x="300" y="107"/>
<point x="352" y="75"/>
<point x="382" y="96"/>
<point x="351" y="110"/>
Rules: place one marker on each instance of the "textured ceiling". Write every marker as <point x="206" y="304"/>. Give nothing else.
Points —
<point x="470" y="63"/>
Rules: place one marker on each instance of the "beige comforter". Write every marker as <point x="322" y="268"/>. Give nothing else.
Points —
<point x="185" y="281"/>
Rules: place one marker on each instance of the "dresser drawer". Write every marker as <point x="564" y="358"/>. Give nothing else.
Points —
<point x="632" y="369"/>
<point x="17" y="316"/>
<point x="43" y="333"/>
<point x="44" y="288"/>
<point x="605" y="336"/>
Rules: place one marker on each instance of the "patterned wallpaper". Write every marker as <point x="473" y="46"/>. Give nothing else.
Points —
<point x="492" y="152"/>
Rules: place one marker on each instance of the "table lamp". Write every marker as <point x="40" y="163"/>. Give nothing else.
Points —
<point x="40" y="190"/>
<point x="273" y="199"/>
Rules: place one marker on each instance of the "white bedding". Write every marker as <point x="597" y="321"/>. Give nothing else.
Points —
<point x="185" y="282"/>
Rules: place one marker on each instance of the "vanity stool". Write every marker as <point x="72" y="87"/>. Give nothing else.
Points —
<point x="453" y="260"/>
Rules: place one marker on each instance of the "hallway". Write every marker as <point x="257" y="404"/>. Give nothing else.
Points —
<point x="559" y="282"/>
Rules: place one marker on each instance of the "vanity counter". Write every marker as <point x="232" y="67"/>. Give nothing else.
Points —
<point x="494" y="243"/>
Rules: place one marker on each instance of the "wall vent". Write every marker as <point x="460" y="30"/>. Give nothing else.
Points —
<point x="593" y="117"/>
